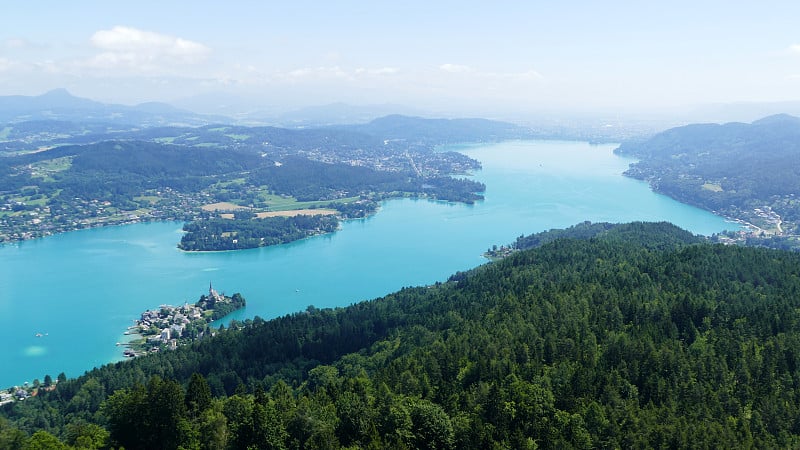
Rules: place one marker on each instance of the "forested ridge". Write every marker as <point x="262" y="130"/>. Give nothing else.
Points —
<point x="746" y="171"/>
<point x="637" y="337"/>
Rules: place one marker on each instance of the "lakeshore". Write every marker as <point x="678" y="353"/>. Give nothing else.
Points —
<point x="98" y="280"/>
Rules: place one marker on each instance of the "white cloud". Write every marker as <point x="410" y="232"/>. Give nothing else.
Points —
<point x="794" y="49"/>
<point x="131" y="48"/>
<point x="323" y="73"/>
<point x="379" y="71"/>
<point x="8" y="65"/>
<point x="530" y="75"/>
<point x="16" y="43"/>
<point x="5" y="64"/>
<point x="455" y="68"/>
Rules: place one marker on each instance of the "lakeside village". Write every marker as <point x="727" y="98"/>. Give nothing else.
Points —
<point x="164" y="328"/>
<point x="169" y="326"/>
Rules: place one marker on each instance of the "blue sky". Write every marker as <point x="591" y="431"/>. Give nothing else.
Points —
<point x="470" y="55"/>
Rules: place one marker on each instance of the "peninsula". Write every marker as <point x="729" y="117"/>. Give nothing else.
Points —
<point x="248" y="230"/>
<point x="169" y="326"/>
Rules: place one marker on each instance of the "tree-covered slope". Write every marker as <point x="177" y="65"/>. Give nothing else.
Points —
<point x="733" y="168"/>
<point x="441" y="131"/>
<point x="590" y="343"/>
<point x="110" y="182"/>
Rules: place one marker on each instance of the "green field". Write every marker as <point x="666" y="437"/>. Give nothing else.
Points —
<point x="226" y="183"/>
<point x="284" y="203"/>
<point x="152" y="199"/>
<point x="38" y="202"/>
<point x="713" y="187"/>
<point x="43" y="169"/>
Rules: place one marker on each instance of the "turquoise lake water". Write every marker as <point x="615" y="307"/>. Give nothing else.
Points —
<point x="81" y="290"/>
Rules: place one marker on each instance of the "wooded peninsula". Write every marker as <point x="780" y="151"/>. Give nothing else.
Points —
<point x="168" y="326"/>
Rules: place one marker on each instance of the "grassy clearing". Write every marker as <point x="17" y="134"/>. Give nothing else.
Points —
<point x="713" y="187"/>
<point x="5" y="132"/>
<point x="206" y="145"/>
<point x="152" y="199"/>
<point x="281" y="203"/>
<point x="43" y="169"/>
<point x="165" y="140"/>
<point x="238" y="137"/>
<point x="223" y="206"/>
<point x="297" y="212"/>
<point x="226" y="183"/>
<point x="219" y="129"/>
<point x="38" y="202"/>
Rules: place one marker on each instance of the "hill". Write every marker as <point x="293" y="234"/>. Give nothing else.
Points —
<point x="441" y="131"/>
<point x="60" y="105"/>
<point x="745" y="171"/>
<point x="111" y="182"/>
<point x="579" y="343"/>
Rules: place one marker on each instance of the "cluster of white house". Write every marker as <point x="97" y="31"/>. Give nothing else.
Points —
<point x="171" y="320"/>
<point x="167" y="324"/>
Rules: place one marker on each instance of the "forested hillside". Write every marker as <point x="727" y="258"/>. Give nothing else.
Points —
<point x="112" y="182"/>
<point x="745" y="171"/>
<point x="634" y="338"/>
<point x="441" y="131"/>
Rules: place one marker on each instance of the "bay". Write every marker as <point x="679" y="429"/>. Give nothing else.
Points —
<point x="66" y="300"/>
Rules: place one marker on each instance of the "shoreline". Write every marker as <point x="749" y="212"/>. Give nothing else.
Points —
<point x="169" y="326"/>
<point x="145" y="220"/>
<point x="173" y="236"/>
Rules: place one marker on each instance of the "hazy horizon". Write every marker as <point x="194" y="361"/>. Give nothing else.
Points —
<point x="504" y="59"/>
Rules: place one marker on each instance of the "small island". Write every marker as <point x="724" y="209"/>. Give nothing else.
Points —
<point x="169" y="326"/>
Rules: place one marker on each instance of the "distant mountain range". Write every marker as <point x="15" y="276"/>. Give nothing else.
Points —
<point x="60" y="105"/>
<point x="334" y="114"/>
<point x="59" y="118"/>
<point x="437" y="131"/>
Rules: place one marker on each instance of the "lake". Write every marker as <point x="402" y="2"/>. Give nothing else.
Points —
<point x="66" y="300"/>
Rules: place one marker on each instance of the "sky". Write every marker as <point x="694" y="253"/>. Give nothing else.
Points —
<point x="458" y="55"/>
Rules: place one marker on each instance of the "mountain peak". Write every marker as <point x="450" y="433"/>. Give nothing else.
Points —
<point x="58" y="93"/>
<point x="776" y="119"/>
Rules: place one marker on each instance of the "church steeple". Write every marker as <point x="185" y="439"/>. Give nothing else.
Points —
<point x="212" y="293"/>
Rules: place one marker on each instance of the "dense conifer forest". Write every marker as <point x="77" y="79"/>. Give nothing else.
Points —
<point x="641" y="336"/>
